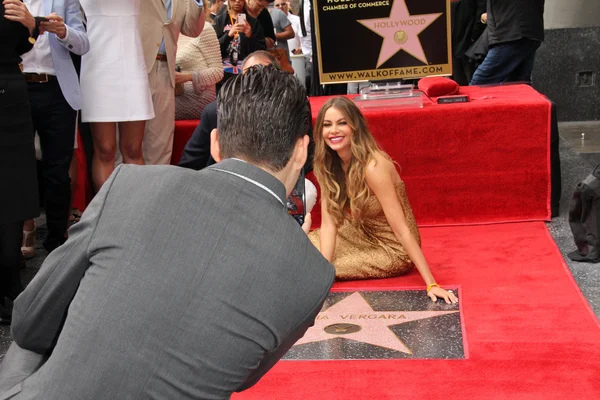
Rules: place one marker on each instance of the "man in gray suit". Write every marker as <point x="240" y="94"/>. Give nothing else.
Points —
<point x="142" y="302"/>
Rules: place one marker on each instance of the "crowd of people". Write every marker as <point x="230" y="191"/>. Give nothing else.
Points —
<point x="495" y="41"/>
<point x="158" y="64"/>
<point x="203" y="274"/>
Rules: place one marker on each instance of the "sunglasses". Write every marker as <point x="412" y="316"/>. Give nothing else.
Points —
<point x="281" y="5"/>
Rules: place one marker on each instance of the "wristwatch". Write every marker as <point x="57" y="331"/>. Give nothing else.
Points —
<point x="36" y="30"/>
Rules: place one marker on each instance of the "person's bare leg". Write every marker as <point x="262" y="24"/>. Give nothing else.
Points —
<point x="104" y="136"/>
<point x="131" y="136"/>
<point x="28" y="242"/>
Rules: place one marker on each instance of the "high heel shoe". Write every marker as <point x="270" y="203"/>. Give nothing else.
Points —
<point x="28" y="245"/>
<point x="14" y="291"/>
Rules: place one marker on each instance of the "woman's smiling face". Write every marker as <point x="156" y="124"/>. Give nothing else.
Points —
<point x="337" y="132"/>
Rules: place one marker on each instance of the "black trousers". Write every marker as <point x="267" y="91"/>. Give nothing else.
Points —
<point x="55" y="122"/>
<point x="11" y="235"/>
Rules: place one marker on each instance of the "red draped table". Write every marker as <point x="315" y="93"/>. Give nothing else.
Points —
<point x="479" y="162"/>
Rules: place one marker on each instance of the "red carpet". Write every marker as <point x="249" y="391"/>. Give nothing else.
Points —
<point x="529" y="331"/>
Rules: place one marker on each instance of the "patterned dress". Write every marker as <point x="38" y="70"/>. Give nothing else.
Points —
<point x="357" y="256"/>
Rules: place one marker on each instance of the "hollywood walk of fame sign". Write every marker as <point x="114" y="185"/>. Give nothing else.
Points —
<point x="369" y="40"/>
<point x="382" y="325"/>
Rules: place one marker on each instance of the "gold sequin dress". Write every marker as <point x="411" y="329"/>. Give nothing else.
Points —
<point x="358" y="257"/>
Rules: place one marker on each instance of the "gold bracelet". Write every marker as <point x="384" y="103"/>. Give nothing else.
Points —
<point x="431" y="285"/>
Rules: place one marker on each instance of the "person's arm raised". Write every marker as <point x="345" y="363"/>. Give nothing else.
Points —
<point x="381" y="184"/>
<point x="287" y="33"/>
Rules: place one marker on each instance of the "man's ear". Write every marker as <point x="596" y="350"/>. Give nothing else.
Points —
<point x="215" y="148"/>
<point x="301" y="151"/>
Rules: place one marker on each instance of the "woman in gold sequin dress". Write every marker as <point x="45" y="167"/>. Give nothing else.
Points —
<point x="368" y="229"/>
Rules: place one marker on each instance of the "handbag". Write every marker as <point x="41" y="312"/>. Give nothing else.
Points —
<point x="282" y="57"/>
<point x="584" y="219"/>
<point x="479" y="49"/>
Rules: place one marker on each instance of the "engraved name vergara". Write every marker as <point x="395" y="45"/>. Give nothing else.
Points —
<point x="365" y="316"/>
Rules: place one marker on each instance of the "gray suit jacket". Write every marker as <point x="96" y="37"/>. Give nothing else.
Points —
<point x="175" y="284"/>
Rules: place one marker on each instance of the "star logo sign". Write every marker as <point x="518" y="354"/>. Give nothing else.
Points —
<point x="353" y="318"/>
<point x="400" y="31"/>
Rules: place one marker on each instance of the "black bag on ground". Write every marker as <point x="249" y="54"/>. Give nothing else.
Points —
<point x="584" y="219"/>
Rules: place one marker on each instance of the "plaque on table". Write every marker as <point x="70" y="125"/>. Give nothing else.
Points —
<point x="389" y="95"/>
<point x="370" y="40"/>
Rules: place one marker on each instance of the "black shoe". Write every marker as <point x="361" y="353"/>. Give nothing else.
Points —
<point x="51" y="245"/>
<point x="14" y="292"/>
<point x="5" y="316"/>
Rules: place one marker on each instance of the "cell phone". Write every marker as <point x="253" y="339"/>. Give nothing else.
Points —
<point x="42" y="19"/>
<point x="241" y="19"/>
<point x="296" y="202"/>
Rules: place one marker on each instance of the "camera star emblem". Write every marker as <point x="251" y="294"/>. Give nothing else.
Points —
<point x="400" y="31"/>
<point x="400" y="37"/>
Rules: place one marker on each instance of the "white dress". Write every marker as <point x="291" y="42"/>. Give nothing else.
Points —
<point x="114" y="81"/>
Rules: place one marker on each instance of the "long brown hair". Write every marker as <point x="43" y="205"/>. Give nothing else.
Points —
<point x="345" y="190"/>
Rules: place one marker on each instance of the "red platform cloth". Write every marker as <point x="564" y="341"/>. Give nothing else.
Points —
<point x="470" y="163"/>
<point x="183" y="132"/>
<point x="83" y="187"/>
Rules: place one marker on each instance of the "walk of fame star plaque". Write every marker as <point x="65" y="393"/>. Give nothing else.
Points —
<point x="382" y="325"/>
<point x="369" y="40"/>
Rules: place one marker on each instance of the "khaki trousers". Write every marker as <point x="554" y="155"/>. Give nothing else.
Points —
<point x="158" y="136"/>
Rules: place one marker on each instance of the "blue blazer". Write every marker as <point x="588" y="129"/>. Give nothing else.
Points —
<point x="76" y="42"/>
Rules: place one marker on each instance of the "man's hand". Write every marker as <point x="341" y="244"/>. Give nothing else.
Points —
<point x="484" y="18"/>
<point x="307" y="223"/>
<point x="55" y="25"/>
<point x="270" y="43"/>
<point x="16" y="10"/>
<point x="182" y="77"/>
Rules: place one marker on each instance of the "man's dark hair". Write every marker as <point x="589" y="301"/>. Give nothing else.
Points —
<point x="262" y="55"/>
<point x="262" y="114"/>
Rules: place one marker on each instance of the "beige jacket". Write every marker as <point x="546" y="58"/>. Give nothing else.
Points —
<point x="186" y="18"/>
